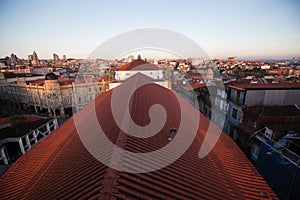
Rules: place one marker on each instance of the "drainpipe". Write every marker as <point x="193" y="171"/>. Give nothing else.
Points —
<point x="292" y="183"/>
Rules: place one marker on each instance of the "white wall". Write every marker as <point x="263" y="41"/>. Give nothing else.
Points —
<point x="272" y="97"/>
<point x="161" y="83"/>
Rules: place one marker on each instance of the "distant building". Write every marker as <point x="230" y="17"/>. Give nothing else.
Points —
<point x="139" y="66"/>
<point x="51" y="94"/>
<point x="30" y="59"/>
<point x="55" y="58"/>
<point x="13" y="58"/>
<point x="41" y="70"/>
<point x="35" y="59"/>
<point x="197" y="61"/>
<point x="231" y="59"/>
<point x="130" y="58"/>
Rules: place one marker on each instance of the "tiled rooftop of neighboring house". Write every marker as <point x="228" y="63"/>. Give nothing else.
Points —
<point x="194" y="86"/>
<point x="60" y="167"/>
<point x="138" y="64"/>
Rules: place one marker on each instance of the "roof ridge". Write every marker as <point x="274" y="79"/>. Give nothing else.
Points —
<point x="110" y="177"/>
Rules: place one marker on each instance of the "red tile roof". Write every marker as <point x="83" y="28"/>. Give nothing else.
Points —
<point x="193" y="86"/>
<point x="138" y="64"/>
<point x="60" y="167"/>
<point x="65" y="81"/>
<point x="39" y="82"/>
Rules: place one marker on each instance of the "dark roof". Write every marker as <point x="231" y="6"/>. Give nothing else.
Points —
<point x="245" y="84"/>
<point x="138" y="64"/>
<point x="60" y="167"/>
<point x="20" y="75"/>
<point x="51" y="76"/>
<point x="289" y="110"/>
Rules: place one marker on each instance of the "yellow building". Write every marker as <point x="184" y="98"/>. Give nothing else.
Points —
<point x="49" y="94"/>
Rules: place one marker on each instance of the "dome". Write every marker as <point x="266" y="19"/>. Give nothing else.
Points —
<point x="51" y="76"/>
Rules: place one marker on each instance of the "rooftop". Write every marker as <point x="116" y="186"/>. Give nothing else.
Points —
<point x="61" y="81"/>
<point x="20" y="75"/>
<point x="261" y="83"/>
<point x="194" y="86"/>
<point x="138" y="64"/>
<point x="60" y="167"/>
<point x="289" y="110"/>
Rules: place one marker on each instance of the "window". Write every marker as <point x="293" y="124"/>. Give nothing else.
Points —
<point x="234" y="113"/>
<point x="65" y="101"/>
<point x="254" y="152"/>
<point x="235" y="134"/>
<point x="231" y="130"/>
<point x="254" y="124"/>
<point x="237" y="100"/>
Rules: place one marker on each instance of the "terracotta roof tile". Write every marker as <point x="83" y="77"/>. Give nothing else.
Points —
<point x="59" y="167"/>
<point x="39" y="82"/>
<point x="138" y="64"/>
<point x="193" y="86"/>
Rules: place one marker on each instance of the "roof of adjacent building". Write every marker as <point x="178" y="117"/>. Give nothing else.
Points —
<point x="138" y="64"/>
<point x="282" y="111"/>
<point x="261" y="83"/>
<point x="60" y="167"/>
<point x="194" y="86"/>
<point x="28" y="118"/>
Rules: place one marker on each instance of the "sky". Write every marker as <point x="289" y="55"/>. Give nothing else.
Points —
<point x="241" y="28"/>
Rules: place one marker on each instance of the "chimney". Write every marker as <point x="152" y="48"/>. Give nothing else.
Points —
<point x="172" y="130"/>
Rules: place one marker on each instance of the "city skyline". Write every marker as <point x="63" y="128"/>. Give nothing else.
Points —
<point x="268" y="29"/>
